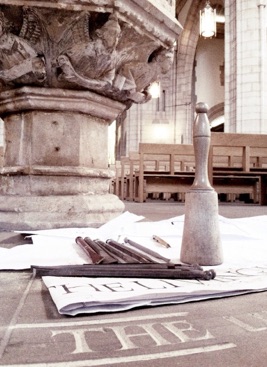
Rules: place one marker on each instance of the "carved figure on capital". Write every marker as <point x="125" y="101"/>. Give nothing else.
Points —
<point x="91" y="64"/>
<point x="135" y="77"/>
<point x="114" y="60"/>
<point x="79" y="50"/>
<point x="20" y="63"/>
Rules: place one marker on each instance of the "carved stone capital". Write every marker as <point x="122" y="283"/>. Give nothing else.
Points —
<point x="114" y="48"/>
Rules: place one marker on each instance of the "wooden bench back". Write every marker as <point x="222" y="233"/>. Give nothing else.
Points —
<point x="167" y="157"/>
<point x="168" y="160"/>
<point x="237" y="150"/>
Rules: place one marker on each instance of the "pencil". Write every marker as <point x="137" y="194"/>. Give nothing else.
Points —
<point x="160" y="241"/>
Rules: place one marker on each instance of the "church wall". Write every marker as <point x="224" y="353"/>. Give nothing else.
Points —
<point x="209" y="71"/>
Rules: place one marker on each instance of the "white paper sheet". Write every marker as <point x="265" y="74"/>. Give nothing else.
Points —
<point x="244" y="243"/>
<point x="88" y="295"/>
<point x="58" y="247"/>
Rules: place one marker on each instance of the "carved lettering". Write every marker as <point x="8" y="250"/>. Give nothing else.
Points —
<point x="81" y="345"/>
<point x="248" y="326"/>
<point x="133" y="336"/>
<point x="185" y="331"/>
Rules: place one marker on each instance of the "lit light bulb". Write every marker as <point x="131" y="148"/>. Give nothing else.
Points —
<point x="154" y="89"/>
<point x="208" y="21"/>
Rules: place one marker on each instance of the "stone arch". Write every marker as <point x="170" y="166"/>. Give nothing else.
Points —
<point x="185" y="97"/>
<point x="215" y="113"/>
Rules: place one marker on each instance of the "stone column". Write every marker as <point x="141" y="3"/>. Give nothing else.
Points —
<point x="55" y="170"/>
<point x="67" y="72"/>
<point x="245" y="67"/>
<point x="201" y="242"/>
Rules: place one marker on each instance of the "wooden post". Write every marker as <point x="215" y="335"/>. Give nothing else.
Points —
<point x="201" y="243"/>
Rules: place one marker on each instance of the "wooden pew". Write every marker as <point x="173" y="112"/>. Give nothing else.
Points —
<point x="173" y="173"/>
<point x="129" y="166"/>
<point x="240" y="157"/>
<point x="243" y="150"/>
<point x="134" y="158"/>
<point x="117" y="179"/>
<point x="124" y="171"/>
<point x="237" y="165"/>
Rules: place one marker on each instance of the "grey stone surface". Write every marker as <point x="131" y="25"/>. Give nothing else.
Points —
<point x="224" y="332"/>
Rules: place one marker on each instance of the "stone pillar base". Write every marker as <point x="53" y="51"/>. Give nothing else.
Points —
<point x="55" y="165"/>
<point x="46" y="212"/>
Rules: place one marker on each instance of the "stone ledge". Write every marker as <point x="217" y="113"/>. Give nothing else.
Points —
<point x="47" y="99"/>
<point x="141" y="14"/>
<point x="57" y="171"/>
<point x="57" y="211"/>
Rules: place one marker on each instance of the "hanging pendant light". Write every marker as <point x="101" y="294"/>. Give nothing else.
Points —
<point x="208" y="21"/>
<point x="154" y="89"/>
